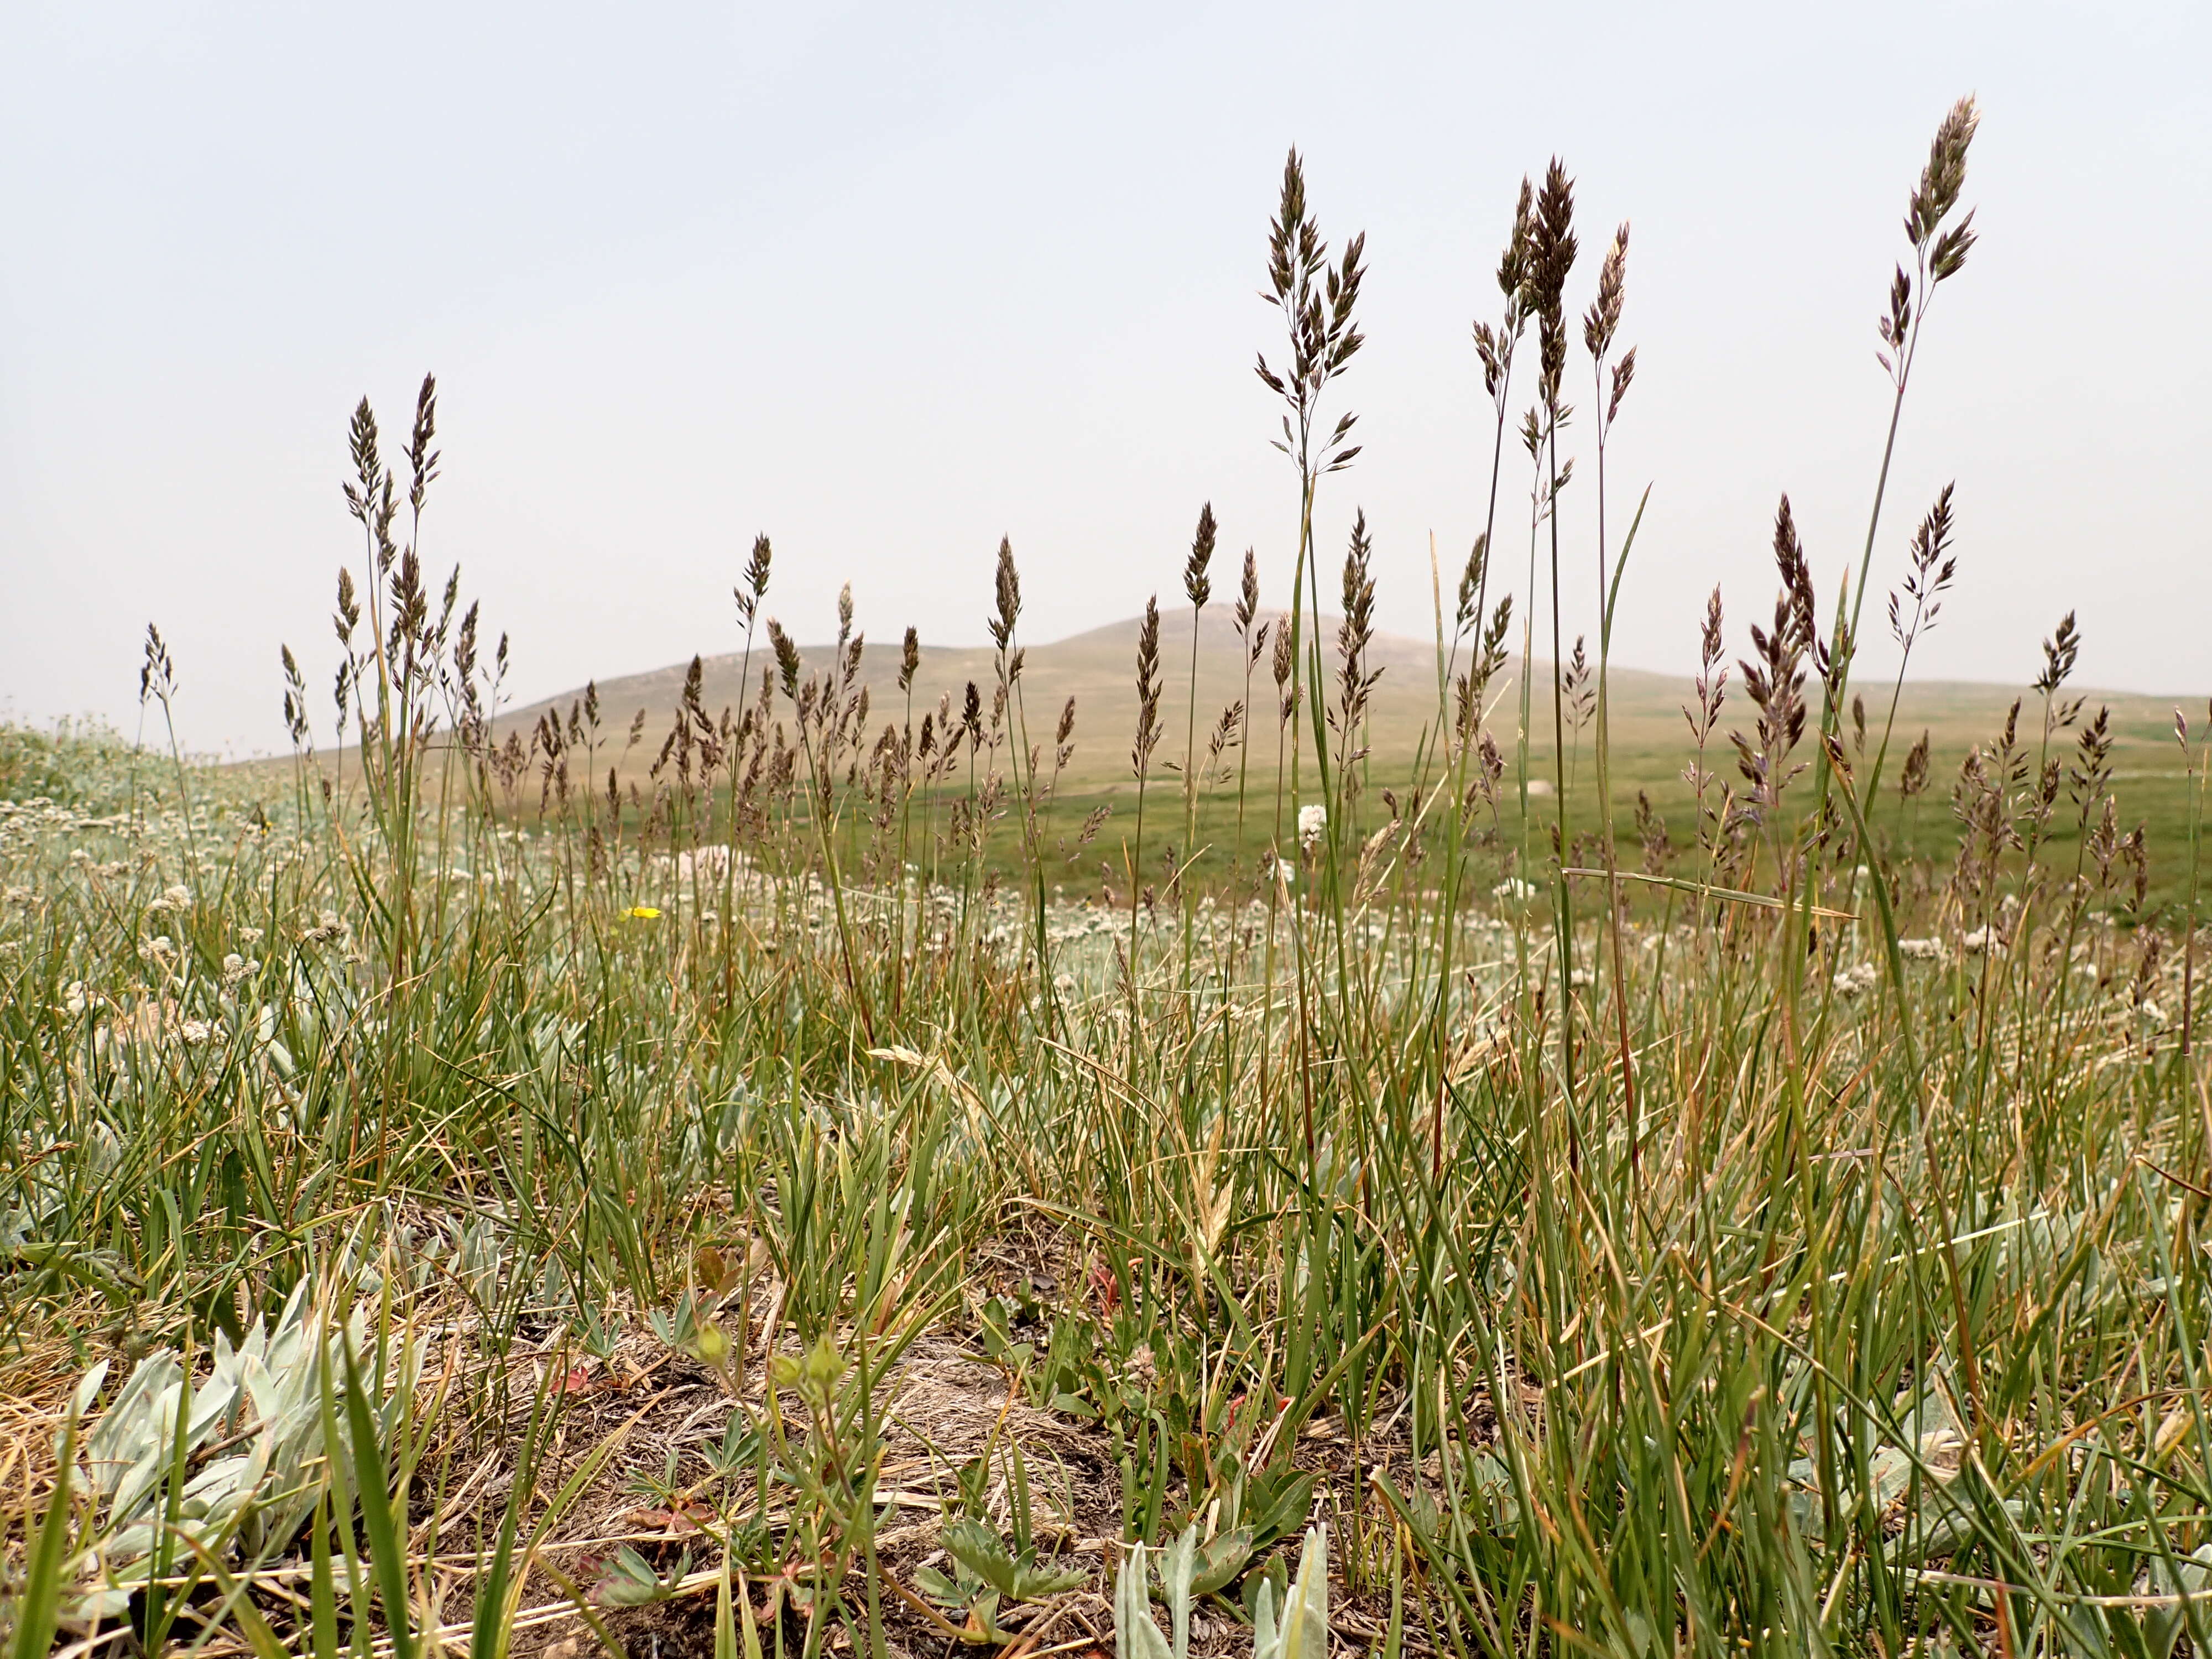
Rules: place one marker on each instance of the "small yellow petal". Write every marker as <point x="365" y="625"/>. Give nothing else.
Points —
<point x="642" y="912"/>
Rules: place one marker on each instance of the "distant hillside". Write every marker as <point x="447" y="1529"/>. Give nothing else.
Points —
<point x="1097" y="669"/>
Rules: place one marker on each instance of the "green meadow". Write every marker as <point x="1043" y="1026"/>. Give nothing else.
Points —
<point x="1233" y="1134"/>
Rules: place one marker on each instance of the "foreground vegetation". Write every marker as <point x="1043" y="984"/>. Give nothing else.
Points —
<point x="476" y="1198"/>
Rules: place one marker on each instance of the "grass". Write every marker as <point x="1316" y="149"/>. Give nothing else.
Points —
<point x="1649" y="742"/>
<point x="801" y="1195"/>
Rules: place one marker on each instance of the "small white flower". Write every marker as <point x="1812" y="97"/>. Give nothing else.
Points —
<point x="73" y="999"/>
<point x="179" y="897"/>
<point x="1981" y="939"/>
<point x="1514" y="890"/>
<point x="1581" y="978"/>
<point x="194" y="1032"/>
<point x="236" y="968"/>
<point x="1312" y="822"/>
<point x="1286" y="871"/>
<point x="1921" y="950"/>
<point x="251" y="935"/>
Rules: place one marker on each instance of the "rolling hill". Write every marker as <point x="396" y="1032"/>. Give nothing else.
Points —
<point x="1097" y="670"/>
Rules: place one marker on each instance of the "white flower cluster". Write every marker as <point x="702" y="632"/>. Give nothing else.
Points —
<point x="1851" y="982"/>
<point x="1313" y="822"/>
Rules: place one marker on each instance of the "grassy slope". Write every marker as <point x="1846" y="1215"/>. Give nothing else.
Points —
<point x="1652" y="743"/>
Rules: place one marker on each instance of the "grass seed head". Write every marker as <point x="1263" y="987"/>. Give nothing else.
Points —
<point x="787" y="658"/>
<point x="1603" y="317"/>
<point x="1552" y="247"/>
<point x="750" y="589"/>
<point x="1197" y="585"/>
<point x="1007" y="584"/>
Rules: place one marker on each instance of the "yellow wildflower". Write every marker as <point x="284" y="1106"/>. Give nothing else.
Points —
<point x="644" y="913"/>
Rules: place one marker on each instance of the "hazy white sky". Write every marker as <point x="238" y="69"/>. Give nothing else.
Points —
<point x="888" y="280"/>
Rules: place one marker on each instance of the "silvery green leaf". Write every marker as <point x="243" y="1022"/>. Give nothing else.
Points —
<point x="1889" y="1474"/>
<point x="138" y="1482"/>
<point x="983" y="1551"/>
<point x="936" y="1586"/>
<point x="1135" y="1635"/>
<point x="1221" y="1560"/>
<point x="125" y="1432"/>
<point x="1031" y="1581"/>
<point x="1947" y="1524"/>
<point x="212" y="1403"/>
<point x="266" y="1391"/>
<point x="1176" y="1574"/>
<point x="1266" y="1638"/>
<point x="222" y="1366"/>
<point x="88" y="1390"/>
<point x="2192" y="1575"/>
<point x="630" y="1581"/>
<point x="274" y="1376"/>
<point x="105" y="1603"/>
<point x="1305" y="1609"/>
